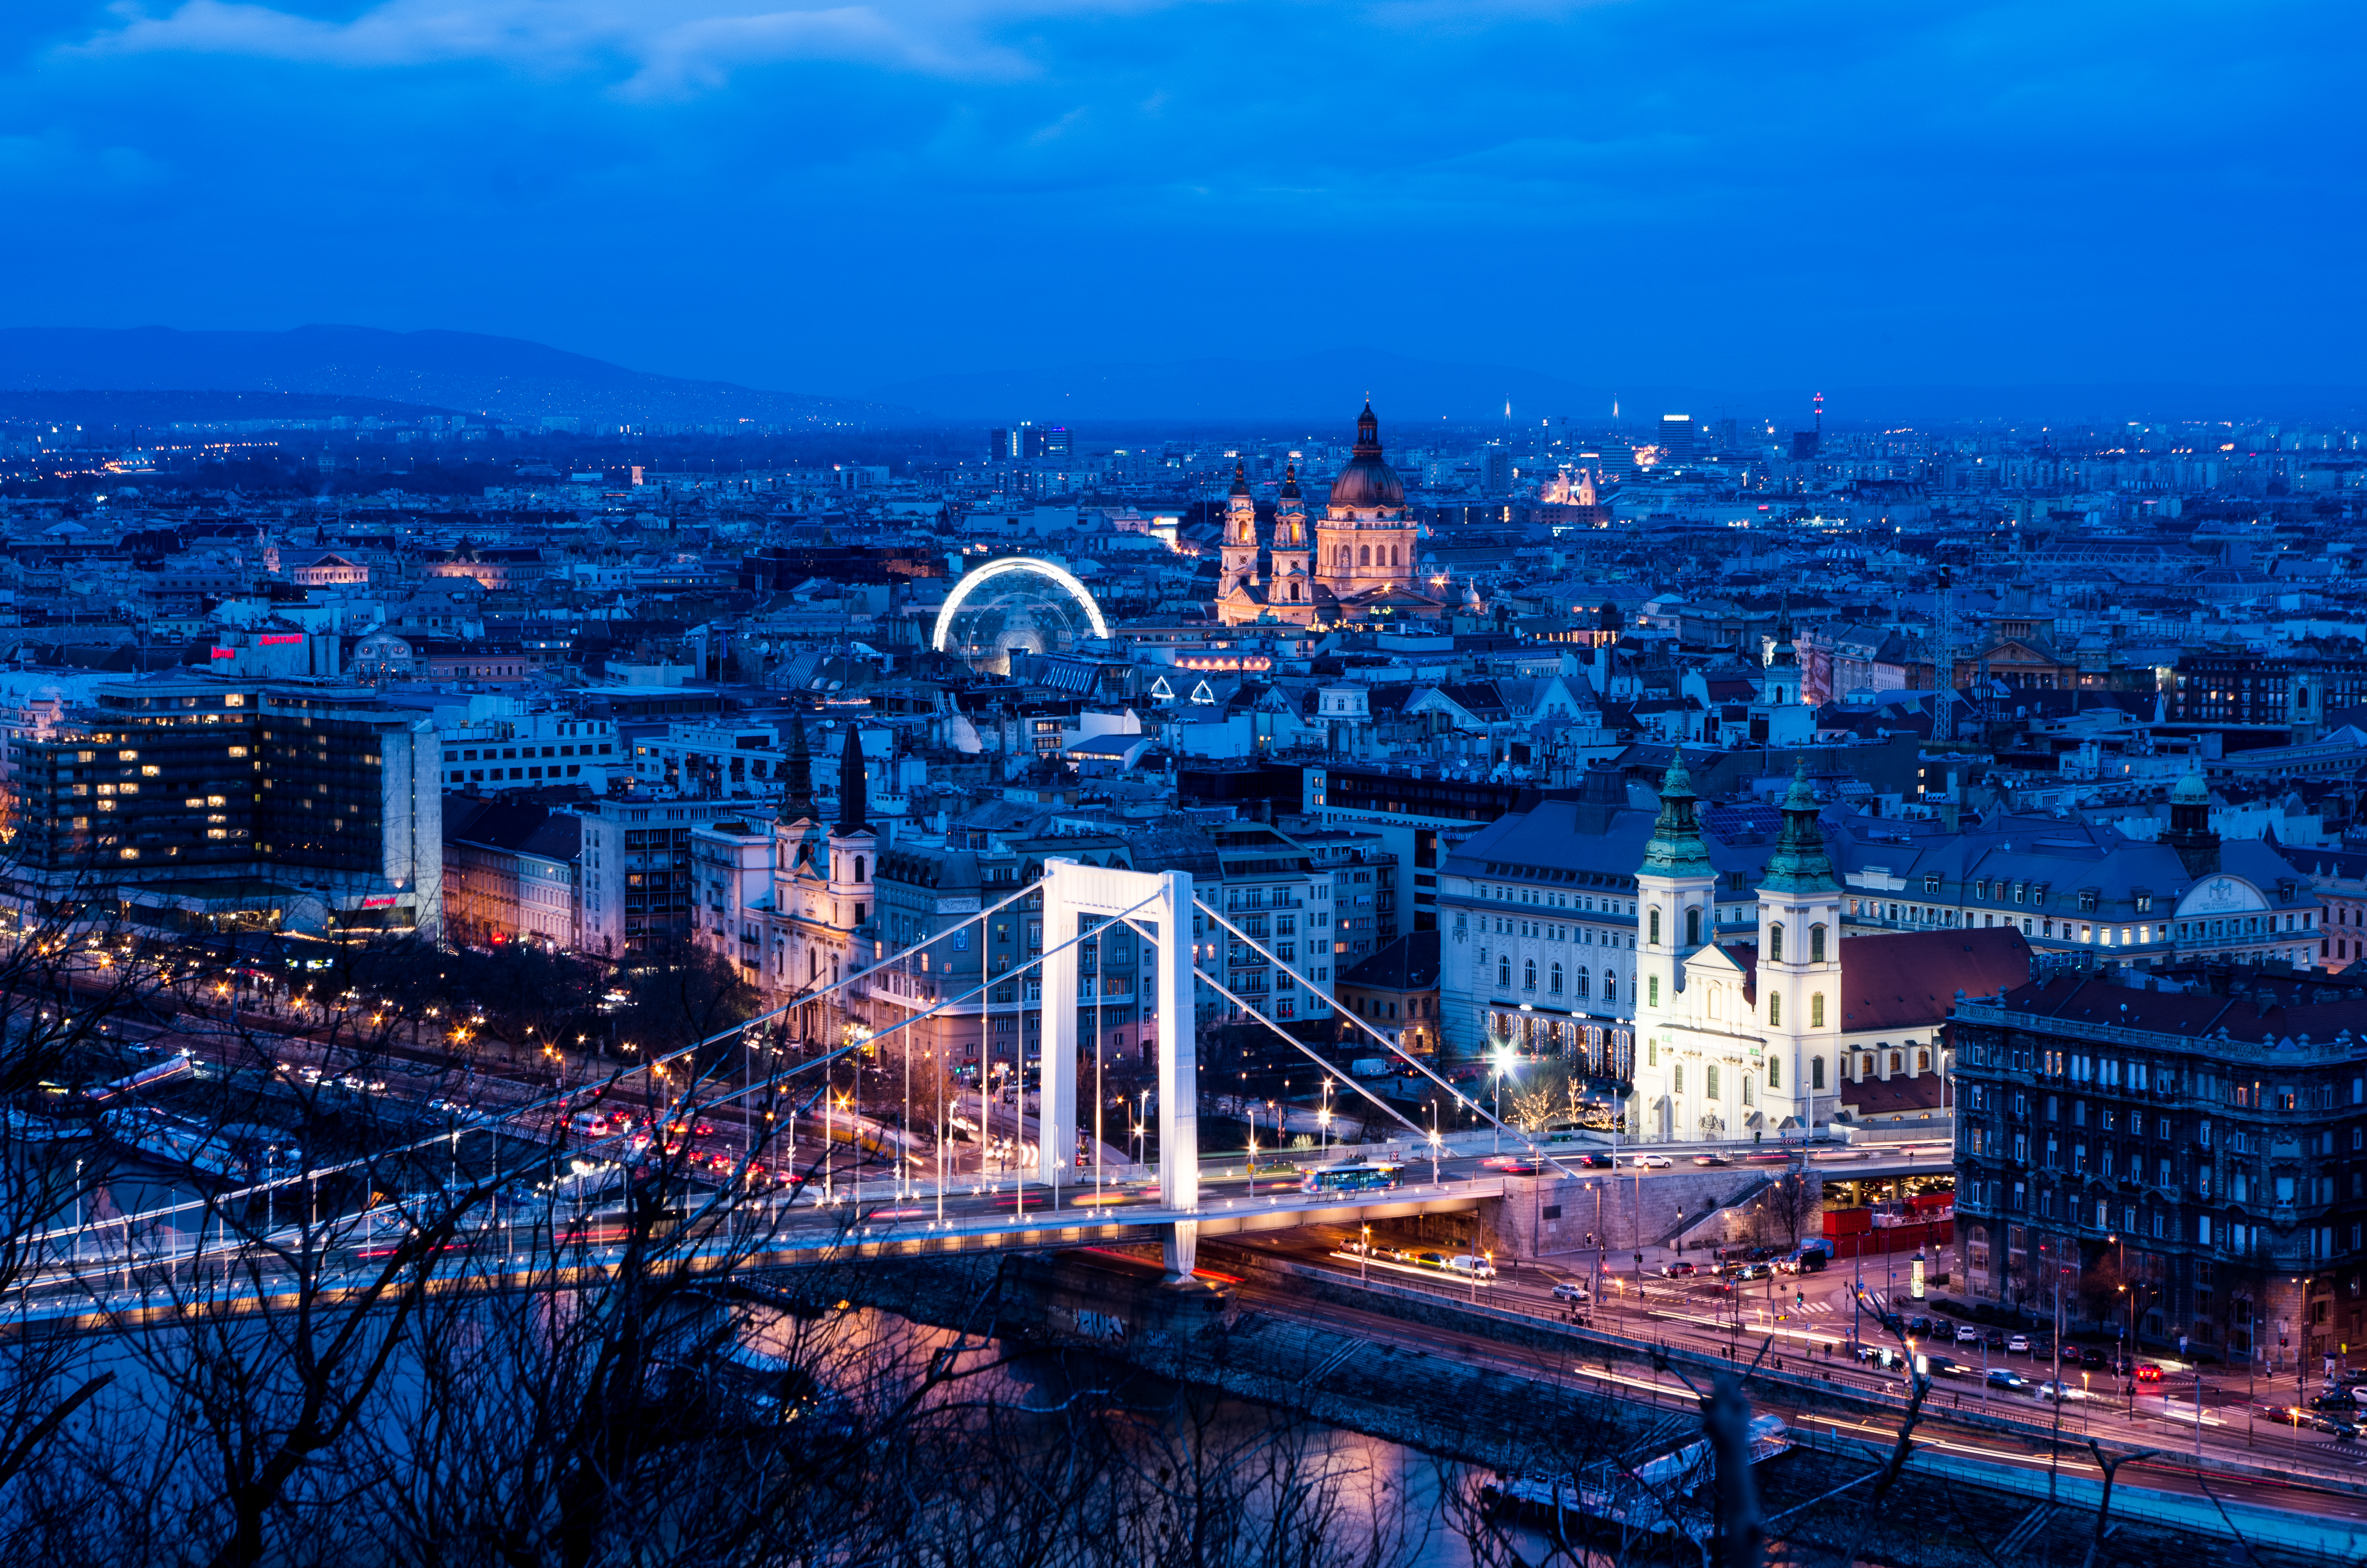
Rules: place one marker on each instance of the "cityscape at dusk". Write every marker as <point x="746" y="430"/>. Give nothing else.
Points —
<point x="1044" y="787"/>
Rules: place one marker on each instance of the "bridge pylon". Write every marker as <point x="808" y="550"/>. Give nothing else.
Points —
<point x="1159" y="904"/>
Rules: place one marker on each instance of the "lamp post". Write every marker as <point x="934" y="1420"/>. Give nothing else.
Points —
<point x="1503" y="1067"/>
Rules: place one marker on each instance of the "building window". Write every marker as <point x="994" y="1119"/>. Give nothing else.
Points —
<point x="1815" y="1072"/>
<point x="1529" y="975"/>
<point x="1817" y="1010"/>
<point x="1775" y="942"/>
<point x="1713" y="1081"/>
<point x="1653" y="991"/>
<point x="1655" y="937"/>
<point x="1677" y="1078"/>
<point x="1775" y="1072"/>
<point x="1553" y="980"/>
<point x="1816" y="944"/>
<point x="1775" y="1012"/>
<point x="1503" y="974"/>
<point x="1693" y="927"/>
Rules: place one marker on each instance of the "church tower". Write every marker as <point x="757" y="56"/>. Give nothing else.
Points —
<point x="1290" y="583"/>
<point x="1240" y="560"/>
<point x="854" y="847"/>
<point x="1799" y="978"/>
<point x="1780" y="683"/>
<point x="1675" y="917"/>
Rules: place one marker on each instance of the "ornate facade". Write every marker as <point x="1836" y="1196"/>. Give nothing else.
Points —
<point x="1362" y="564"/>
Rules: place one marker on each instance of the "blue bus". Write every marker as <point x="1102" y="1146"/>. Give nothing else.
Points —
<point x="1358" y="1175"/>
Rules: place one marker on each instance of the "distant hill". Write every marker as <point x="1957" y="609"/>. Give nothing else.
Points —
<point x="507" y="377"/>
<point x="151" y="410"/>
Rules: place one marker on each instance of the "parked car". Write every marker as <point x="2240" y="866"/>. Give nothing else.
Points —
<point x="1995" y="1340"/>
<point x="1967" y="1335"/>
<point x="2340" y="1402"/>
<point x="2017" y="1345"/>
<point x="1919" y="1326"/>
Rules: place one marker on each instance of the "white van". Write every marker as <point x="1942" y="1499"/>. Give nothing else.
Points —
<point x="1471" y="1268"/>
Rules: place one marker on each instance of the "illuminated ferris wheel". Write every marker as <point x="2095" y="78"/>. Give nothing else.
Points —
<point x="1016" y="605"/>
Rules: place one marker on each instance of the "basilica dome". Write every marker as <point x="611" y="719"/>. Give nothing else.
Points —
<point x="1367" y="481"/>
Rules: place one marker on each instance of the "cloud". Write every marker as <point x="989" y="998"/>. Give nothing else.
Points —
<point x="653" y="47"/>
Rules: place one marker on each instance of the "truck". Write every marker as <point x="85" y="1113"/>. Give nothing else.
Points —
<point x="1808" y="1258"/>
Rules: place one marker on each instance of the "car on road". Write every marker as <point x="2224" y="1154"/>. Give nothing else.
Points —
<point x="2147" y="1372"/>
<point x="1570" y="1290"/>
<point x="1711" y="1160"/>
<point x="1519" y="1168"/>
<point x="1471" y="1268"/>
<point x="1920" y="1327"/>
<point x="1677" y="1269"/>
<point x="1967" y="1335"/>
<point x="2017" y="1345"/>
<point x="2091" y="1358"/>
<point x="1651" y="1162"/>
<point x="2053" y="1389"/>
<point x="2340" y="1402"/>
<point x="1754" y="1272"/>
<point x="2006" y="1377"/>
<point x="2302" y="1420"/>
<point x="1598" y="1161"/>
<point x="1430" y="1260"/>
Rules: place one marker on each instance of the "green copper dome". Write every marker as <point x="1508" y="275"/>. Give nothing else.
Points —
<point x="1676" y="849"/>
<point x="1800" y="864"/>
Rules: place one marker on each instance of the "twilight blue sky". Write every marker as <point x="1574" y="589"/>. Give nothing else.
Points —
<point x="831" y="197"/>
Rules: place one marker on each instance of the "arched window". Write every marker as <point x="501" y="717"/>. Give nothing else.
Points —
<point x="1293" y="589"/>
<point x="1609" y="986"/>
<point x="1653" y="989"/>
<point x="1775" y="942"/>
<point x="1922" y="1062"/>
<point x="1529" y="975"/>
<point x="858" y="867"/>
<point x="1817" y="1010"/>
<point x="1364" y="556"/>
<point x="1816" y="944"/>
<point x="1583" y="982"/>
<point x="1393" y="555"/>
<point x="1677" y="1078"/>
<point x="1815" y="1072"/>
<point x="1503" y="974"/>
<point x="1775" y="1072"/>
<point x="1864" y="1068"/>
<point x="1748" y="1096"/>
<point x="1553" y="981"/>
<point x="1775" y="1012"/>
<point x="1711" y="1089"/>
<point x="1897" y="1062"/>
<point x="1693" y="927"/>
<point x="1654" y="939"/>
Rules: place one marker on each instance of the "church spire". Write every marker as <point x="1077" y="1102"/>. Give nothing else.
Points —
<point x="1800" y="864"/>
<point x="854" y="806"/>
<point x="796" y="794"/>
<point x="1676" y="848"/>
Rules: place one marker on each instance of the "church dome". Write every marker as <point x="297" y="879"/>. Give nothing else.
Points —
<point x="2191" y="791"/>
<point x="1367" y="481"/>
